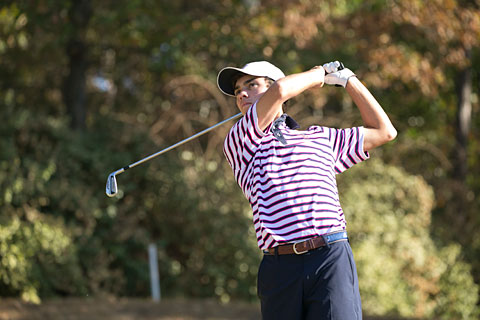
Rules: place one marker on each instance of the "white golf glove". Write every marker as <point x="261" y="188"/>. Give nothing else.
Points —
<point x="336" y="76"/>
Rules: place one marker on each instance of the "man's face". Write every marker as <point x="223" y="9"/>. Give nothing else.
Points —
<point x="249" y="89"/>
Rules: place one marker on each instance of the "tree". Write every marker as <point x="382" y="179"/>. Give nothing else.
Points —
<point x="74" y="86"/>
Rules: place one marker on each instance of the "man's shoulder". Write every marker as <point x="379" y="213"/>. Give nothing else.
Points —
<point x="234" y="129"/>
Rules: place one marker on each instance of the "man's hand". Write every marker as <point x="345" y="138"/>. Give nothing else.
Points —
<point x="335" y="75"/>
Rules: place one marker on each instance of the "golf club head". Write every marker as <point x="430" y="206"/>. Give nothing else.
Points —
<point x="111" y="188"/>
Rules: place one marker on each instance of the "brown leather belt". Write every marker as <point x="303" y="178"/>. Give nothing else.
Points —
<point x="307" y="245"/>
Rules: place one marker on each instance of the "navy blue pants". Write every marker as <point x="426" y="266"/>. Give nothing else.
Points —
<point x="320" y="284"/>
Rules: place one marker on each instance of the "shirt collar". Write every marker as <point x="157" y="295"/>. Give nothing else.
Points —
<point x="283" y="120"/>
<point x="289" y="122"/>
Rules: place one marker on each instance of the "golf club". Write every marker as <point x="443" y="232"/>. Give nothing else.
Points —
<point x="112" y="189"/>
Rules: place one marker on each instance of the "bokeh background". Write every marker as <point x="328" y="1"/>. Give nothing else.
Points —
<point x="87" y="87"/>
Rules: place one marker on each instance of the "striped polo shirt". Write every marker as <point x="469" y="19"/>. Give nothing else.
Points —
<point x="292" y="188"/>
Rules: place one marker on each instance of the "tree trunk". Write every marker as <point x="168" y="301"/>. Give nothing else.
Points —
<point x="74" y="86"/>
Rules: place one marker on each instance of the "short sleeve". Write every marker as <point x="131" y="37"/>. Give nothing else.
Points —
<point x="242" y="142"/>
<point x="347" y="146"/>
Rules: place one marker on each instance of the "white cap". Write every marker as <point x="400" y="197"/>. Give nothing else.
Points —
<point x="258" y="69"/>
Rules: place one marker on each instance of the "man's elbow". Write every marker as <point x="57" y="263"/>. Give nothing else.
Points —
<point x="390" y="134"/>
<point x="281" y="90"/>
<point x="377" y="137"/>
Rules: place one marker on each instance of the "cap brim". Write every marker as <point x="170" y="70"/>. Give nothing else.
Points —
<point x="225" y="80"/>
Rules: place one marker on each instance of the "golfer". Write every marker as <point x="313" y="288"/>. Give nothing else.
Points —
<point x="289" y="178"/>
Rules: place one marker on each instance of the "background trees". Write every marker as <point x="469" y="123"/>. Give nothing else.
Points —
<point x="86" y="88"/>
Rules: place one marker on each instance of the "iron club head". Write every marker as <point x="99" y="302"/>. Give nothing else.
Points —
<point x="111" y="188"/>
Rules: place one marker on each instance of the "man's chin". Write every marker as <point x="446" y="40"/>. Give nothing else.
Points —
<point x="246" y="107"/>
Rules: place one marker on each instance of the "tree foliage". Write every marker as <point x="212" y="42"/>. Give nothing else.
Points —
<point x="402" y="270"/>
<point x="38" y="258"/>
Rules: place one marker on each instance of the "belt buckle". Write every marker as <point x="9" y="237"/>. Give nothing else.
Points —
<point x="295" y="249"/>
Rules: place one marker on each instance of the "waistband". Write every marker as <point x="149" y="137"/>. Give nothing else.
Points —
<point x="307" y="245"/>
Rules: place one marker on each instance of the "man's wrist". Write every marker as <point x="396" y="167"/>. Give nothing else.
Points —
<point x="350" y="78"/>
<point x="318" y="75"/>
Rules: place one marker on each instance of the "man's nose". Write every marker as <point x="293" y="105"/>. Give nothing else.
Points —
<point x="242" y="94"/>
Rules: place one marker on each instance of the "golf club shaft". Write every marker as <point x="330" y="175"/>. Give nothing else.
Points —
<point x="176" y="144"/>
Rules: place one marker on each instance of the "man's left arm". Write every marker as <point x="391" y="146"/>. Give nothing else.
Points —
<point x="378" y="127"/>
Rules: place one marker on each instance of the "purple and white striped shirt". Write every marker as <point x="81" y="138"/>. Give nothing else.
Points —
<point x="292" y="188"/>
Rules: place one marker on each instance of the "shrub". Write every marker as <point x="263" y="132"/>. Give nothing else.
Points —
<point x="401" y="269"/>
<point x="37" y="258"/>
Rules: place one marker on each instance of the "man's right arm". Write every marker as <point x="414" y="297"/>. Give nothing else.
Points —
<point x="269" y="106"/>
